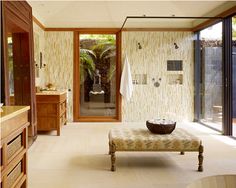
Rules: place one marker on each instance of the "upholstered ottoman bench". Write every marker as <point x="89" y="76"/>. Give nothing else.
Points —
<point x="141" y="139"/>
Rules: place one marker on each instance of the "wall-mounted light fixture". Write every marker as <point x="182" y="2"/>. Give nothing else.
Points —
<point x="176" y="46"/>
<point x="41" y="64"/>
<point x="139" y="46"/>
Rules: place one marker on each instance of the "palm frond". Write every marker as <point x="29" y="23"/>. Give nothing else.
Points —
<point x="109" y="51"/>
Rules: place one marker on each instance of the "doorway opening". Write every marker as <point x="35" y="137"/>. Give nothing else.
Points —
<point x="96" y="77"/>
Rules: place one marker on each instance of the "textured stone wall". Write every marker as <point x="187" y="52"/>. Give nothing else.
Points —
<point x="166" y="101"/>
<point x="39" y="41"/>
<point x="57" y="54"/>
<point x="59" y="60"/>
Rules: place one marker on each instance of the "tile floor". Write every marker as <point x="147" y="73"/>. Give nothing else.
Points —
<point x="78" y="159"/>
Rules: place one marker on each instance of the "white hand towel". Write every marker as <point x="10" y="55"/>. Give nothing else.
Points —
<point x="126" y="84"/>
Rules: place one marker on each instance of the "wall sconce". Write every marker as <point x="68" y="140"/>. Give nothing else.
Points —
<point x="41" y="64"/>
<point x="139" y="46"/>
<point x="176" y="46"/>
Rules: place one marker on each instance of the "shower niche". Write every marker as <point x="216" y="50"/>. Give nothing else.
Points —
<point x="175" y="79"/>
<point x="139" y="79"/>
<point x="175" y="72"/>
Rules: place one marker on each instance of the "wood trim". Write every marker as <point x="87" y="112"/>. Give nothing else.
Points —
<point x="4" y="63"/>
<point x="228" y="12"/>
<point x="36" y="21"/>
<point x="85" y="30"/>
<point x="208" y="23"/>
<point x="76" y="78"/>
<point x="204" y="25"/>
<point x="157" y="29"/>
<point x="96" y="30"/>
<point x="17" y="18"/>
<point x="118" y="72"/>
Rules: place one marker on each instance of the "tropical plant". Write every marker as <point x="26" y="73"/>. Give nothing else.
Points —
<point x="103" y="49"/>
<point x="87" y="65"/>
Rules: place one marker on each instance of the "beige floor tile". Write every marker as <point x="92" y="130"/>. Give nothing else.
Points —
<point x="78" y="158"/>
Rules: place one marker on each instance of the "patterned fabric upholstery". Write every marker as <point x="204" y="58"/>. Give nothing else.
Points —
<point x="141" y="139"/>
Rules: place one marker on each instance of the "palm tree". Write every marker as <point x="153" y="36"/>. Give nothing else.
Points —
<point x="87" y="65"/>
<point x="104" y="50"/>
<point x="97" y="54"/>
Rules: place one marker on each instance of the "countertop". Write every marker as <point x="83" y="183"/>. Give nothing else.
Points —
<point x="8" y="112"/>
<point x="51" y="92"/>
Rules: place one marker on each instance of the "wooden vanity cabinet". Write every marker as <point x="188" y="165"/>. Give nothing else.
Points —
<point x="51" y="111"/>
<point x="14" y="145"/>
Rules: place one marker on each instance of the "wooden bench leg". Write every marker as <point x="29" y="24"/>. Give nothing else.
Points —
<point x="113" y="161"/>
<point x="182" y="153"/>
<point x="200" y="159"/>
<point x="113" y="157"/>
<point x="109" y="153"/>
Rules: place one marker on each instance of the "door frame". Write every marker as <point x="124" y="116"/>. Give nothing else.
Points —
<point x="227" y="125"/>
<point x="76" y="78"/>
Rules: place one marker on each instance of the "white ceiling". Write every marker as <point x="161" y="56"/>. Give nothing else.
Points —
<point x="111" y="14"/>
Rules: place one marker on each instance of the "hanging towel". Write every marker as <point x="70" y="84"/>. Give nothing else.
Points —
<point x="126" y="85"/>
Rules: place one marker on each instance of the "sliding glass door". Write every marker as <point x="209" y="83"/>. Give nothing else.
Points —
<point x="96" y="78"/>
<point x="211" y="76"/>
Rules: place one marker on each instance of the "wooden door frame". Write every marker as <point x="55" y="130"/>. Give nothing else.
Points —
<point x="17" y="18"/>
<point x="76" y="78"/>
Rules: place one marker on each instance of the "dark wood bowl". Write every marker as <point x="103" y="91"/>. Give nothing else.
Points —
<point x="159" y="128"/>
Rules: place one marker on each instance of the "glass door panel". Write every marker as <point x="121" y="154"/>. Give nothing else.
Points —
<point x="211" y="76"/>
<point x="97" y="72"/>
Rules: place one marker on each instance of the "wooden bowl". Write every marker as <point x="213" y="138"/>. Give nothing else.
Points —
<point x="160" y="126"/>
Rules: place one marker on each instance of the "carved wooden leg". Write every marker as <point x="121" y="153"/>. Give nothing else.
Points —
<point x="200" y="159"/>
<point x="113" y="157"/>
<point x="109" y="153"/>
<point x="182" y="153"/>
<point x="113" y="160"/>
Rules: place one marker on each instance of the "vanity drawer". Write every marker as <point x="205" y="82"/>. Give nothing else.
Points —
<point x="13" y="124"/>
<point x="15" y="174"/>
<point x="14" y="146"/>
